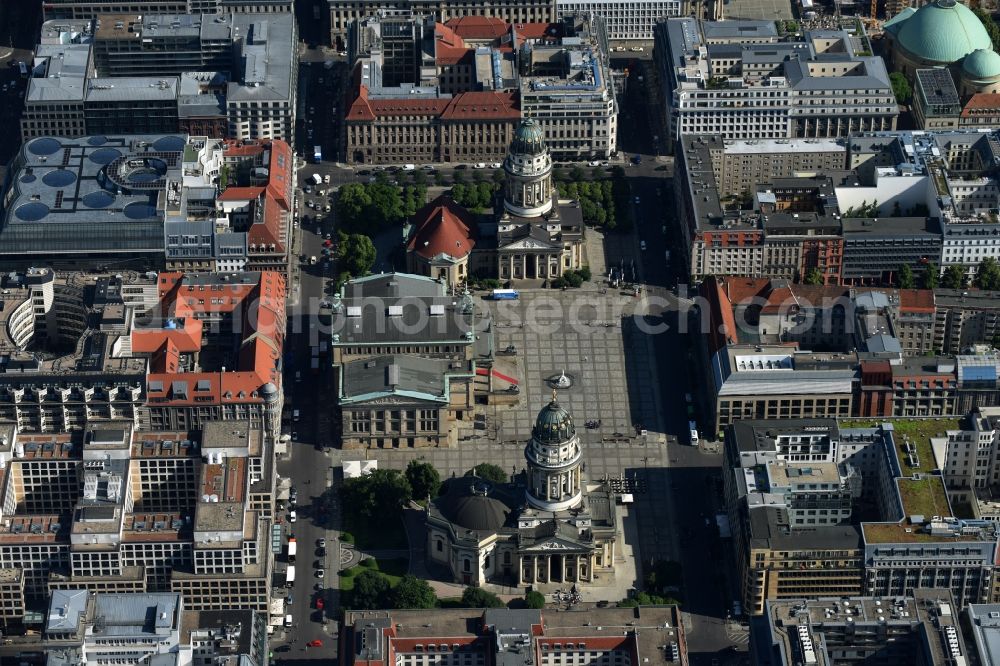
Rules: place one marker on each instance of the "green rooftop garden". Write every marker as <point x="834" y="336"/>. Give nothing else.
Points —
<point x="916" y="432"/>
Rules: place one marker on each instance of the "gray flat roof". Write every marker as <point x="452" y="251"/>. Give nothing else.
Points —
<point x="409" y="375"/>
<point x="59" y="74"/>
<point x="132" y="88"/>
<point x="89" y="194"/>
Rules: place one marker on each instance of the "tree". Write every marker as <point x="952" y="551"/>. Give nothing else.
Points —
<point x="371" y="590"/>
<point x="534" y="599"/>
<point x="929" y="280"/>
<point x="413" y="592"/>
<point x="577" y="173"/>
<point x="906" y="279"/>
<point x="499" y="176"/>
<point x="597" y="173"/>
<point x="954" y="277"/>
<point x="477" y="597"/>
<point x="356" y="254"/>
<point x="813" y="276"/>
<point x="988" y="274"/>
<point x="900" y="88"/>
<point x="424" y="479"/>
<point x="378" y="494"/>
<point x="490" y="472"/>
<point x="991" y="27"/>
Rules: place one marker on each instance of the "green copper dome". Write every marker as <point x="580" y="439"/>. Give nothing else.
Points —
<point x="943" y="32"/>
<point x="982" y="64"/>
<point x="554" y="425"/>
<point x="528" y="138"/>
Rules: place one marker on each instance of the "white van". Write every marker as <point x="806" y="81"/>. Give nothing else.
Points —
<point x="289" y="621"/>
<point x="694" y="432"/>
<point x="409" y="167"/>
<point x="295" y="415"/>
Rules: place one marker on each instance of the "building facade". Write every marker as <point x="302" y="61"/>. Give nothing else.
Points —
<point x="730" y="85"/>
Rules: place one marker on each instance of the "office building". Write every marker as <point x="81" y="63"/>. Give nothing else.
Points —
<point x="109" y="359"/>
<point x="897" y="199"/>
<point x="88" y="9"/>
<point x="343" y="13"/>
<point x="112" y="628"/>
<point x="153" y="201"/>
<point x="984" y="624"/>
<point x="922" y="628"/>
<point x="625" y="21"/>
<point x="115" y="509"/>
<point x="477" y="637"/>
<point x="397" y="389"/>
<point x="461" y="99"/>
<point x="84" y="628"/>
<point x="936" y="105"/>
<point x="143" y="73"/>
<point x="792" y="489"/>
<point x="751" y="86"/>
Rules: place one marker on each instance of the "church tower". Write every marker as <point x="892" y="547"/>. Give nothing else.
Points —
<point x="554" y="459"/>
<point x="528" y="167"/>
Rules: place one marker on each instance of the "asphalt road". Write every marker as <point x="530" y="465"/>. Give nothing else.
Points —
<point x="691" y="473"/>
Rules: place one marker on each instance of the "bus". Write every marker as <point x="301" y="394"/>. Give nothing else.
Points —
<point x="317" y="154"/>
<point x="505" y="295"/>
<point x="290" y="576"/>
<point x="292" y="547"/>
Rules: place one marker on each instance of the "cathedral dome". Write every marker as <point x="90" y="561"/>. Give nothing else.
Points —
<point x="469" y="503"/>
<point x="942" y="32"/>
<point x="528" y="138"/>
<point x="982" y="64"/>
<point x="554" y="425"/>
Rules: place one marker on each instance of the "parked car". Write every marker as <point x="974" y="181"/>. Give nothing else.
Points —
<point x="320" y="573"/>
<point x="479" y="165"/>
<point x="292" y="516"/>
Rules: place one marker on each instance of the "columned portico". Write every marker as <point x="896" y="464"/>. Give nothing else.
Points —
<point x="558" y="567"/>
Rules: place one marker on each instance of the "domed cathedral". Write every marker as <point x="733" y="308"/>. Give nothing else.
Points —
<point x="548" y="526"/>
<point x="539" y="236"/>
<point x="944" y="34"/>
<point x="528" y="168"/>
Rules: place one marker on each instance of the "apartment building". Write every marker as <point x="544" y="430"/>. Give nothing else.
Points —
<point x="345" y="12"/>
<point x="920" y="628"/>
<point x="756" y="87"/>
<point x="90" y="75"/>
<point x="479" y="637"/>
<point x="397" y="388"/>
<point x="454" y="92"/>
<point x="88" y="9"/>
<point x="965" y="318"/>
<point x="625" y="21"/>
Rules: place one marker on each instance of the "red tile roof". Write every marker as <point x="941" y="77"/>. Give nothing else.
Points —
<point x="981" y="102"/>
<point x="916" y="300"/>
<point x="449" y="48"/>
<point x="240" y="193"/>
<point x="482" y="105"/>
<point x="260" y="307"/>
<point x="479" y="27"/>
<point x="442" y="227"/>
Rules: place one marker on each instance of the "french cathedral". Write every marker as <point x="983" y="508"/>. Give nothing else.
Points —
<point x="548" y="526"/>
<point x="531" y="234"/>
